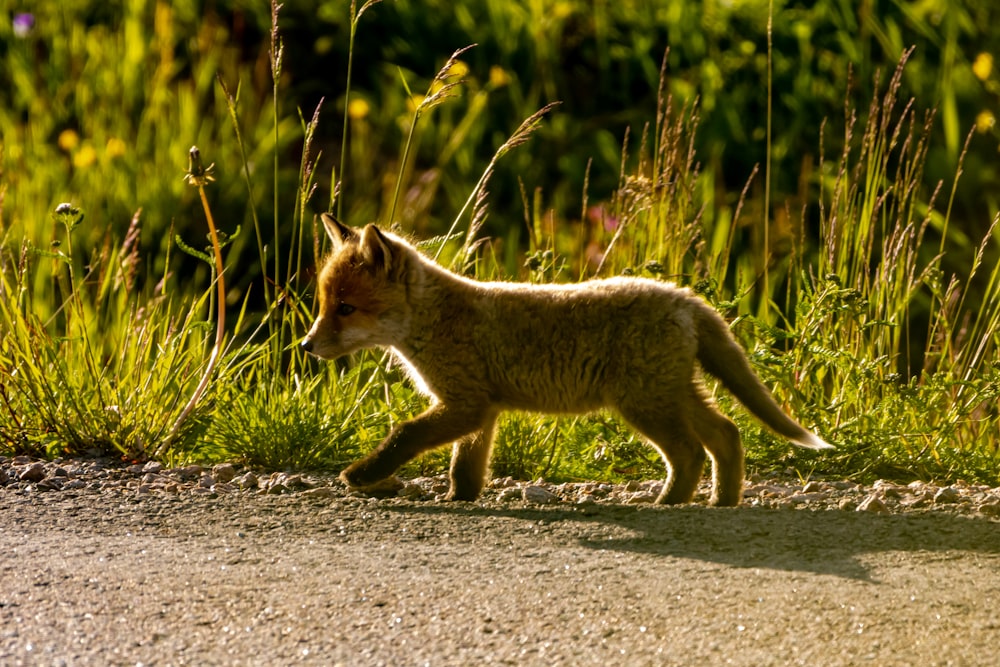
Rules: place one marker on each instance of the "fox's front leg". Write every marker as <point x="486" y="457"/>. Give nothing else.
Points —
<point x="439" y="425"/>
<point x="470" y="461"/>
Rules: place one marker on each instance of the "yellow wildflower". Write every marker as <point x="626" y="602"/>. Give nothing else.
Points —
<point x="458" y="69"/>
<point x="84" y="157"/>
<point x="985" y="120"/>
<point x="115" y="147"/>
<point x="499" y="77"/>
<point x="414" y="102"/>
<point x="357" y="108"/>
<point x="68" y="140"/>
<point x="982" y="66"/>
<point x="561" y="10"/>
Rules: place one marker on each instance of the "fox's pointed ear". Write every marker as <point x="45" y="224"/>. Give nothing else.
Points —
<point x="377" y="248"/>
<point x="338" y="232"/>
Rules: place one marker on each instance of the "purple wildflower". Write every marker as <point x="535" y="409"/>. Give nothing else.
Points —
<point x="599" y="215"/>
<point x="23" y="23"/>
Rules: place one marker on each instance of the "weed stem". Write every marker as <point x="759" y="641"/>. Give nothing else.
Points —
<point x="198" y="176"/>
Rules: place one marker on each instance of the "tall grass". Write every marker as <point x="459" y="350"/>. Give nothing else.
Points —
<point x="857" y="327"/>
<point x="860" y="331"/>
<point x="106" y="369"/>
<point x="899" y="396"/>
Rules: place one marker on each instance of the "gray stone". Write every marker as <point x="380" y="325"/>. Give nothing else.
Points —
<point x="947" y="495"/>
<point x="538" y="495"/>
<point x="321" y="492"/>
<point x="510" y="493"/>
<point x="247" y="480"/>
<point x="873" y="504"/>
<point x="35" y="472"/>
<point x="224" y="472"/>
<point x="990" y="508"/>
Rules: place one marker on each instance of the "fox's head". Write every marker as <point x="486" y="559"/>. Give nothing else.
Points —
<point x="361" y="291"/>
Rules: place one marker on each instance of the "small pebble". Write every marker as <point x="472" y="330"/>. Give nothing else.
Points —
<point x="247" y="480"/>
<point x="35" y="472"/>
<point x="224" y="472"/>
<point x="538" y="495"/>
<point x="640" y="497"/>
<point x="322" y="492"/>
<point x="873" y="504"/>
<point x="510" y="493"/>
<point x="990" y="508"/>
<point x="947" y="496"/>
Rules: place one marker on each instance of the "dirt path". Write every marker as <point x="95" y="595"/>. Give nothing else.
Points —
<point x="262" y="580"/>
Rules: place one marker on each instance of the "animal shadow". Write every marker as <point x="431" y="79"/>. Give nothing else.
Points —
<point x="830" y="542"/>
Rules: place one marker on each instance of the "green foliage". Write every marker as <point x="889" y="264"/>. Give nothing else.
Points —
<point x="581" y="448"/>
<point x="314" y="421"/>
<point x="95" y="363"/>
<point x="868" y="296"/>
<point x="99" y="103"/>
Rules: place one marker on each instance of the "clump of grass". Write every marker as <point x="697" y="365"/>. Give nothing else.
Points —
<point x="103" y="371"/>
<point x="528" y="448"/>
<point x="586" y="447"/>
<point x="304" y="424"/>
<point x="894" y="397"/>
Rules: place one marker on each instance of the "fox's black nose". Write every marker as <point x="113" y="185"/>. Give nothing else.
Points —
<point x="306" y="345"/>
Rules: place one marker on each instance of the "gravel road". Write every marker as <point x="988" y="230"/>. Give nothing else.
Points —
<point x="107" y="565"/>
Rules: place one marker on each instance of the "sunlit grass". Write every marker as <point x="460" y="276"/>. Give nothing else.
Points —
<point x="858" y="327"/>
<point x="108" y="366"/>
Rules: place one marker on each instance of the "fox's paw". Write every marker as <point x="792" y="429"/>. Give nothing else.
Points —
<point x="381" y="488"/>
<point x="359" y="475"/>
<point x="465" y="495"/>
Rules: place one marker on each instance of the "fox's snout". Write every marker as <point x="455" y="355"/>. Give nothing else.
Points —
<point x="318" y="348"/>
<point x="315" y="341"/>
<point x="325" y="340"/>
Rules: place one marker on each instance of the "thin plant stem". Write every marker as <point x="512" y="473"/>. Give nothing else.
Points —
<point x="355" y="18"/>
<point x="402" y="164"/>
<point x="441" y="88"/>
<point x="231" y="102"/>
<point x="347" y="109"/>
<point x="277" y="55"/>
<point x="765" y="305"/>
<point x="520" y="136"/>
<point x="198" y="176"/>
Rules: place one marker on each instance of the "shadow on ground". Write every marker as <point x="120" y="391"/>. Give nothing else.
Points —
<point x="821" y="542"/>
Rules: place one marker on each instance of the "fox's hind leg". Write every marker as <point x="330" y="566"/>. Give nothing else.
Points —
<point x="665" y="425"/>
<point x="721" y="438"/>
<point x="470" y="462"/>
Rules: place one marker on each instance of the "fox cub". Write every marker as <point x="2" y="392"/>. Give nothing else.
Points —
<point x="479" y="348"/>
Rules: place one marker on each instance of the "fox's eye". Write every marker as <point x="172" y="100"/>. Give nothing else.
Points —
<point x="345" y="309"/>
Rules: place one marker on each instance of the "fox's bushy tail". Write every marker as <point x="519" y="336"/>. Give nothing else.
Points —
<point x="721" y="356"/>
